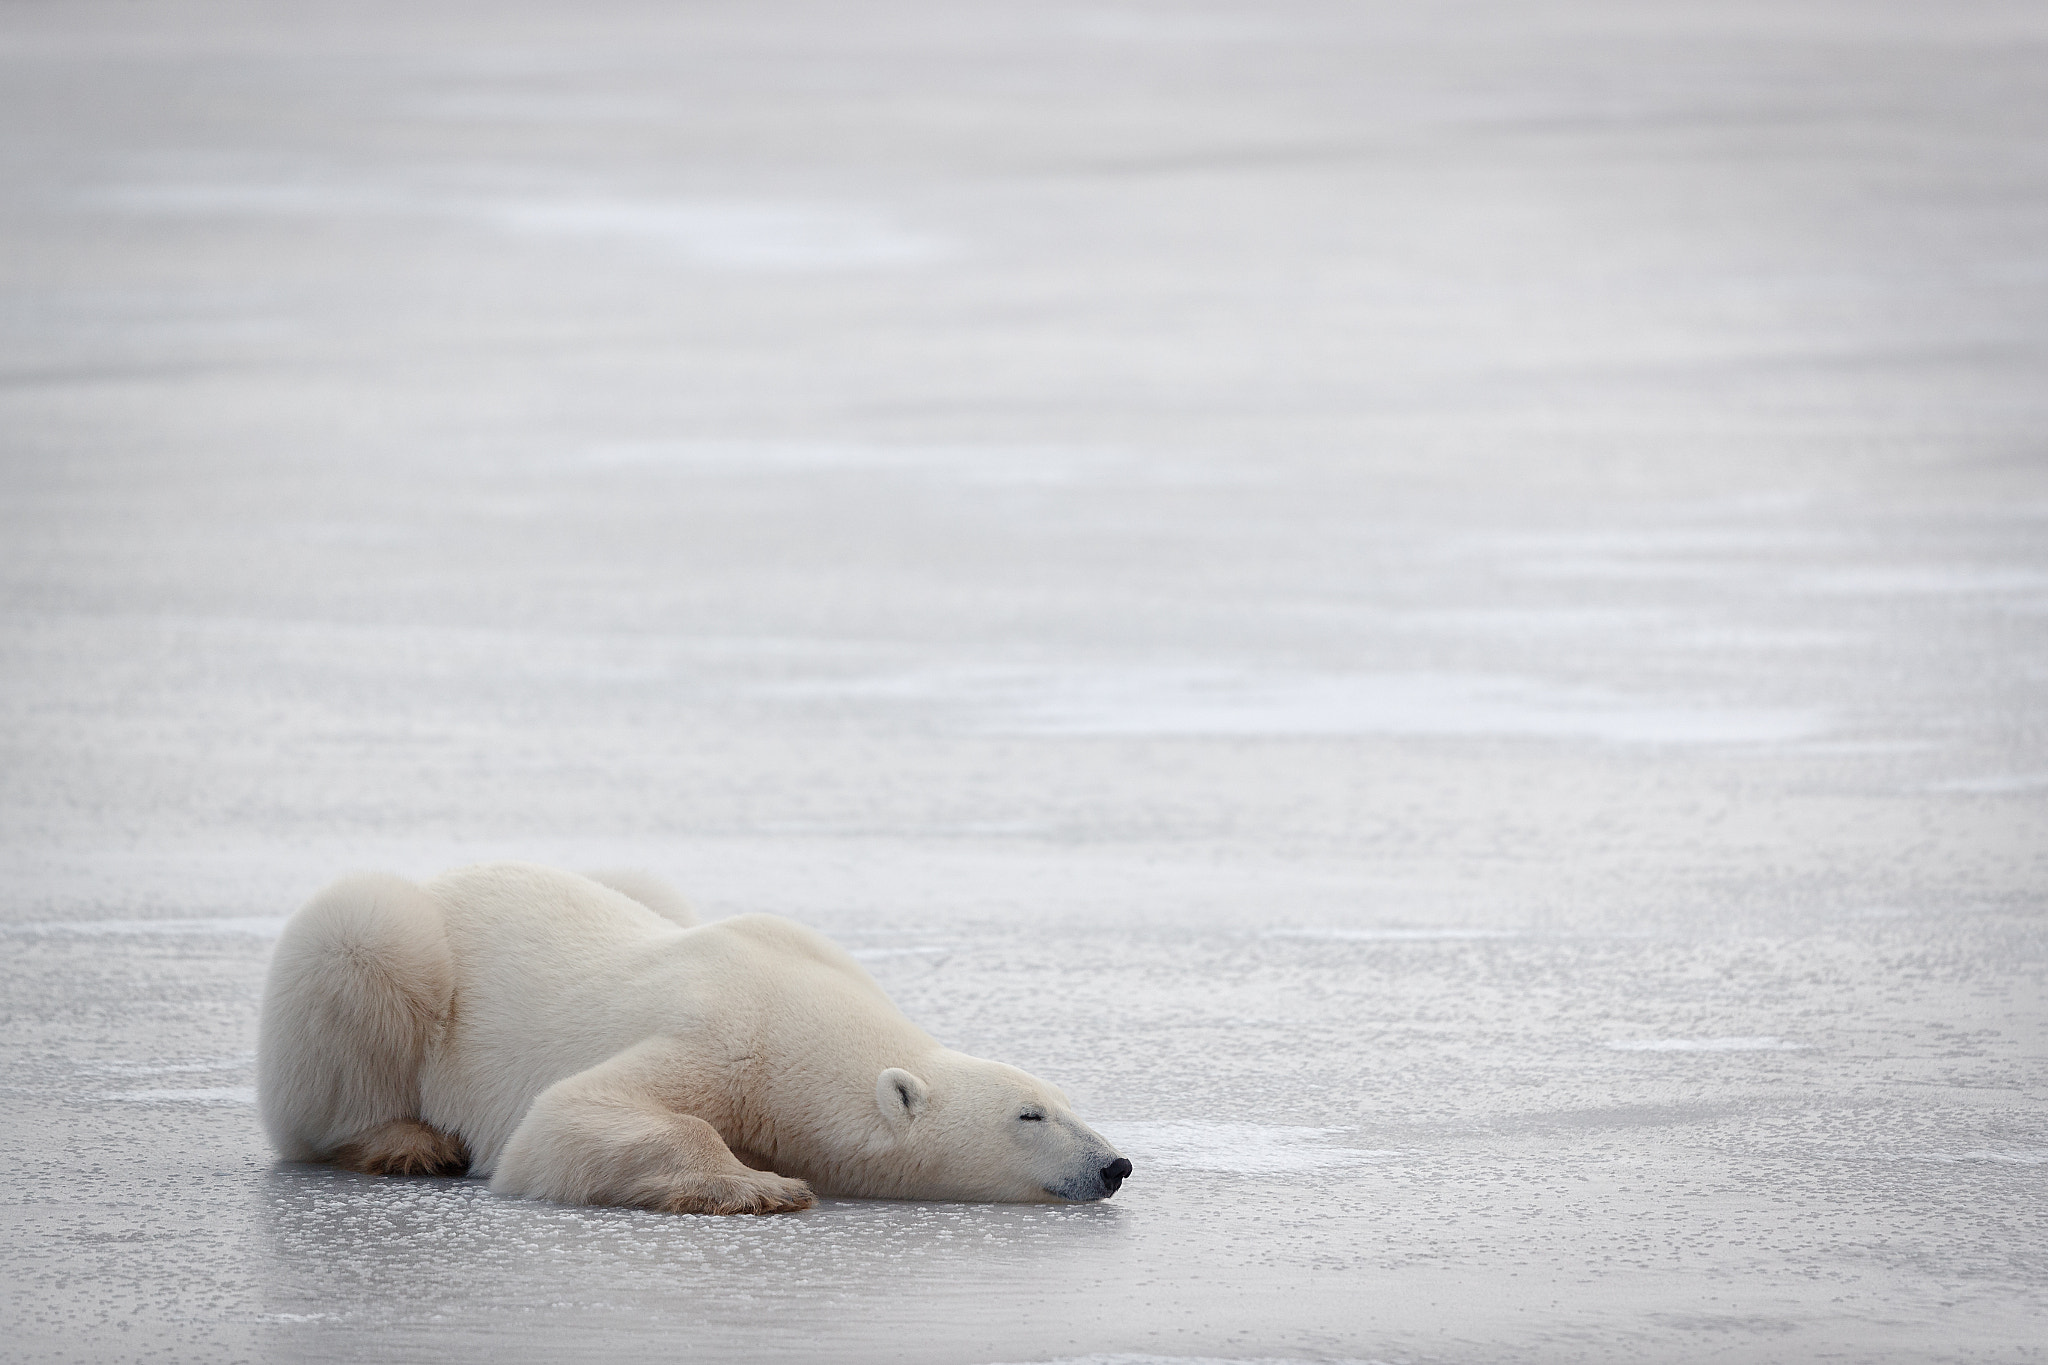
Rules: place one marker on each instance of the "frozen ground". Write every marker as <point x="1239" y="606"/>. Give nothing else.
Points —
<point x="1439" y="610"/>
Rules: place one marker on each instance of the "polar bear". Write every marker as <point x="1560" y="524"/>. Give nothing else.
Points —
<point x="582" y="1039"/>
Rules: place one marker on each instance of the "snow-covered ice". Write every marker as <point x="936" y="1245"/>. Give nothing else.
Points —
<point x="1441" y="612"/>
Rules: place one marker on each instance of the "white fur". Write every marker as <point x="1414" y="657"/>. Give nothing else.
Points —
<point x="587" y="1048"/>
<point x="359" y="989"/>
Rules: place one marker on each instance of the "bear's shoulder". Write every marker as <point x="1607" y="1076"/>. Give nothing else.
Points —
<point x="772" y="937"/>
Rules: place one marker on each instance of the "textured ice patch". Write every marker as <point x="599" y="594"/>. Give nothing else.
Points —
<point x="554" y="107"/>
<point x="1392" y="935"/>
<point x="1022" y="465"/>
<point x="172" y="1068"/>
<point x="739" y="236"/>
<point x="2025" y="1156"/>
<point x="1247" y="1148"/>
<point x="1991" y="786"/>
<point x="1225" y="702"/>
<point x="209" y="1094"/>
<point x="254" y="926"/>
<point x="1929" y="579"/>
<point x="1124" y="1359"/>
<point x="284" y="198"/>
<point x="1536" y="622"/>
<point x="729" y="235"/>
<point x="1704" y="1045"/>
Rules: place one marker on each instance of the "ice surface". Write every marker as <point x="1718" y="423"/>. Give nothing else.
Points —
<point x="1703" y="1045"/>
<point x="746" y="236"/>
<point x="258" y="926"/>
<point x="1222" y="702"/>
<point x="205" y="1094"/>
<point x="1440" y="612"/>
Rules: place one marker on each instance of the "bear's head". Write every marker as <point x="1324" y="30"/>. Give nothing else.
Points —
<point x="979" y="1130"/>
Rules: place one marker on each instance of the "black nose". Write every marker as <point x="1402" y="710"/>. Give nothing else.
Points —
<point x="1113" y="1174"/>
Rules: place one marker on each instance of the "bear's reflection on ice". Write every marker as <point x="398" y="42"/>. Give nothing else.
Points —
<point x="336" y="1243"/>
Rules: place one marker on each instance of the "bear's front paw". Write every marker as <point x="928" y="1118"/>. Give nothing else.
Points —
<point x="762" y="1192"/>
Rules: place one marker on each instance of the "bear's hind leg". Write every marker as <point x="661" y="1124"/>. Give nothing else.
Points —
<point x="615" y="1135"/>
<point x="358" y="991"/>
<point x="403" y="1147"/>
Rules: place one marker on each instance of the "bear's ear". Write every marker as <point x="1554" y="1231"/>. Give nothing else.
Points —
<point x="901" y="1096"/>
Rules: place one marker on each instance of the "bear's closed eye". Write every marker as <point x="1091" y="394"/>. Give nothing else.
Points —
<point x="1032" y="1118"/>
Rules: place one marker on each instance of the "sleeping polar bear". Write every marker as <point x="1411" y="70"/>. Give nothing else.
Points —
<point x="585" y="1041"/>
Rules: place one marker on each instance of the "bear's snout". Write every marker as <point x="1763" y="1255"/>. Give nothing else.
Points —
<point x="1113" y="1175"/>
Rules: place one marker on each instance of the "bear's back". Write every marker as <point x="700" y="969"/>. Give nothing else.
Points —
<point x="554" y="973"/>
